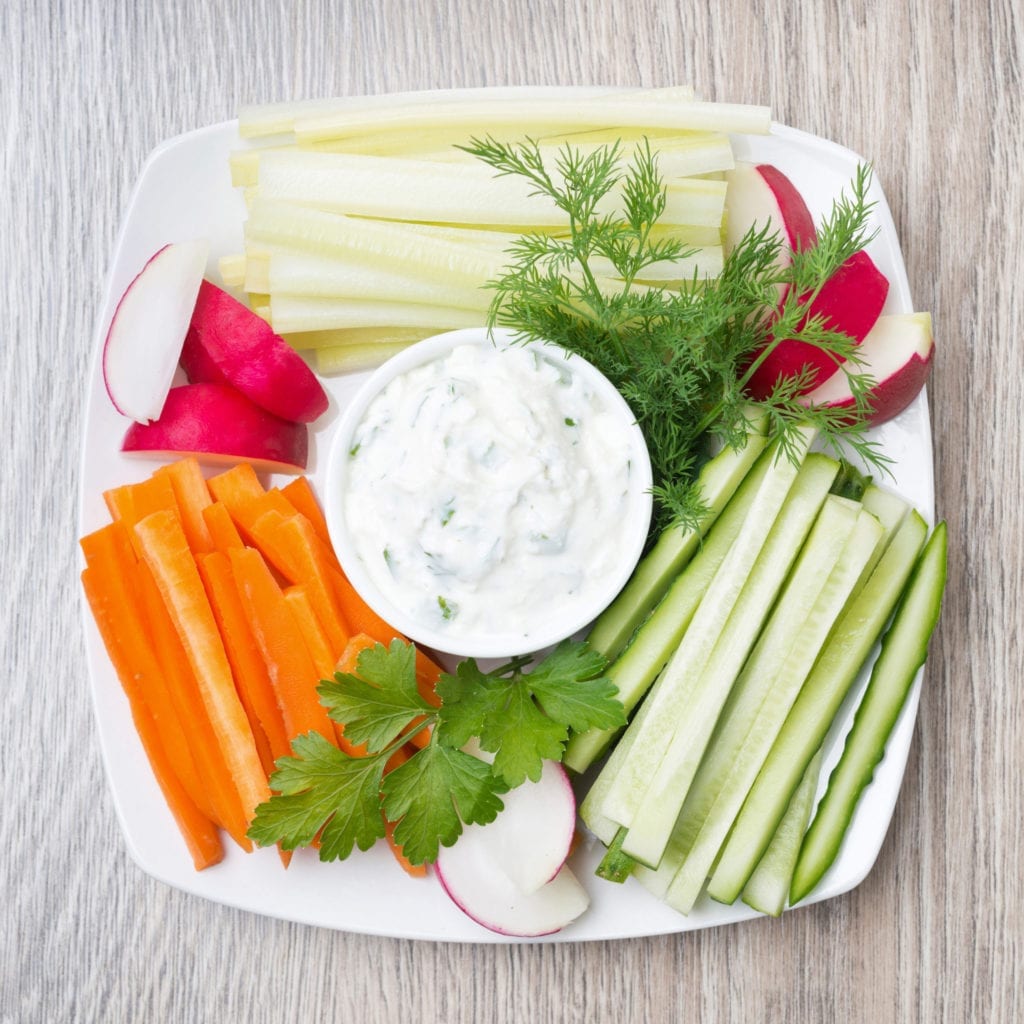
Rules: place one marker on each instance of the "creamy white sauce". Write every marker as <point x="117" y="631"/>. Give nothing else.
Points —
<point x="488" y="490"/>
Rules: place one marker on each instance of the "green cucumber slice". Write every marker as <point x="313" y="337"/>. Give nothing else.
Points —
<point x="904" y="648"/>
<point x="635" y="670"/>
<point x="779" y="676"/>
<point x="669" y="697"/>
<point x="718" y="480"/>
<point x="768" y="887"/>
<point x="810" y="717"/>
<point x="663" y="797"/>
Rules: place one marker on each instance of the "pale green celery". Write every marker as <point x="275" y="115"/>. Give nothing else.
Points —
<point x="289" y="314"/>
<point x="354" y="358"/>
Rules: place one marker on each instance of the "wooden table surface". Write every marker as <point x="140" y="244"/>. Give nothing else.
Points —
<point x="930" y="91"/>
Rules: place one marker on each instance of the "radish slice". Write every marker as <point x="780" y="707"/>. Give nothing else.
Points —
<point x="217" y="424"/>
<point x="486" y="894"/>
<point x="146" y="334"/>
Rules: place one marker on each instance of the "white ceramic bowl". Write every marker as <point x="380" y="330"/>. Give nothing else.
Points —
<point x="539" y="625"/>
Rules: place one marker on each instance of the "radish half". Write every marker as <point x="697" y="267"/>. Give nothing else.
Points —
<point x="897" y="352"/>
<point x="228" y="343"/>
<point x="510" y="875"/>
<point x="217" y="424"/>
<point x="146" y="334"/>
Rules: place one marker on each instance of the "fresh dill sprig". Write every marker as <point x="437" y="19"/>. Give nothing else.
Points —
<point x="681" y="356"/>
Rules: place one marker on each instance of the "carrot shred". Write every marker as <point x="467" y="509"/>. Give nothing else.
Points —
<point x="124" y="646"/>
<point x="166" y="551"/>
<point x="280" y="640"/>
<point x="224" y="534"/>
<point x="192" y="496"/>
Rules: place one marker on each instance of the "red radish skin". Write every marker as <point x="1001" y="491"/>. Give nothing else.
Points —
<point x="218" y="425"/>
<point x="850" y="301"/>
<point x="897" y="353"/>
<point x="227" y="343"/>
<point x="147" y="330"/>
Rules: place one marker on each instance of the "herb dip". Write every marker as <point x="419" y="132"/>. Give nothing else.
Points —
<point x="494" y="489"/>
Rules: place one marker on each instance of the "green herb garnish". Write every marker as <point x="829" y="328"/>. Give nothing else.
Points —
<point x="520" y="717"/>
<point x="682" y="357"/>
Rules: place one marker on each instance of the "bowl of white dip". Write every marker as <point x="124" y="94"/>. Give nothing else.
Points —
<point x="488" y="497"/>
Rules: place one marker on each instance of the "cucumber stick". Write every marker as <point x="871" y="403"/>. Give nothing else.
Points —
<point x="634" y="671"/>
<point x="663" y="796"/>
<point x="814" y="710"/>
<point x="782" y="678"/>
<point x="904" y="648"/>
<point x="718" y="481"/>
<point x="768" y="887"/>
<point x="670" y="696"/>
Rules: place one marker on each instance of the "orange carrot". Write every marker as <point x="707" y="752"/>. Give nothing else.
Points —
<point x="235" y="486"/>
<point x="300" y="494"/>
<point x="246" y="659"/>
<point x="220" y="793"/>
<point x="167" y="553"/>
<point x="279" y="638"/>
<point x="114" y="571"/>
<point x="224" y="534"/>
<point x="192" y="496"/>
<point x="200" y="834"/>
<point x="399" y="757"/>
<point x="312" y="631"/>
<point x="132" y="502"/>
<point x="291" y="545"/>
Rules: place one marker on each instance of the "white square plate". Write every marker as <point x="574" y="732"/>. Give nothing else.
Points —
<point x="185" y="192"/>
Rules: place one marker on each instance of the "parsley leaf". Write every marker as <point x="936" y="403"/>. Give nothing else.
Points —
<point x="322" y="791"/>
<point x="434" y="793"/>
<point x="381" y="701"/>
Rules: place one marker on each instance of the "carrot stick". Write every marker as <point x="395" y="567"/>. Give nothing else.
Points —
<point x="220" y="793"/>
<point x="235" y="486"/>
<point x="292" y="546"/>
<point x="200" y="834"/>
<point x="192" y="496"/>
<point x="399" y="757"/>
<point x="131" y="502"/>
<point x="280" y="640"/>
<point x="312" y="631"/>
<point x="299" y="492"/>
<point x="167" y="553"/>
<point x="114" y="574"/>
<point x="224" y="534"/>
<point x="244" y="654"/>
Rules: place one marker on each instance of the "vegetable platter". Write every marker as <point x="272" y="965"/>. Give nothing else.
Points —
<point x="185" y="192"/>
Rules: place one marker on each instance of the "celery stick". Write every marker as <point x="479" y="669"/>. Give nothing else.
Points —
<point x="558" y="112"/>
<point x="305" y="340"/>
<point x="810" y="717"/>
<point x="768" y="886"/>
<point x="670" y="695"/>
<point x="353" y="358"/>
<point x="636" y="668"/>
<point x="405" y="189"/>
<point x="302" y="274"/>
<point x="666" y="789"/>
<point x="290" y="313"/>
<point x="904" y="648"/>
<point x="718" y="481"/>
<point x="778" y="672"/>
<point x="387" y="245"/>
<point x="232" y="270"/>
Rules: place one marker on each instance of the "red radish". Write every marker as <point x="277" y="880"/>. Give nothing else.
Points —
<point x="486" y="894"/>
<point x="228" y="343"/>
<point x="510" y="876"/>
<point x="760" y="194"/>
<point x="144" y="340"/>
<point x="850" y="301"/>
<point x="897" y="352"/>
<point x="219" y="425"/>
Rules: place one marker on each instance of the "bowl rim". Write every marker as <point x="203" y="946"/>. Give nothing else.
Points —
<point x="476" y="644"/>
